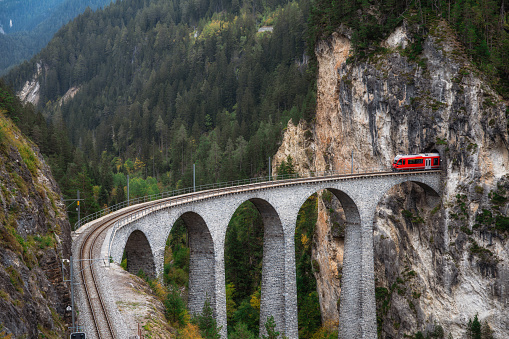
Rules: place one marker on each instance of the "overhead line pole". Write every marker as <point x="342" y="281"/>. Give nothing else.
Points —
<point x="79" y="209"/>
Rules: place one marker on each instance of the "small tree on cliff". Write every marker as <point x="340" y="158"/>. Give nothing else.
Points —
<point x="474" y="328"/>
<point x="286" y="167"/>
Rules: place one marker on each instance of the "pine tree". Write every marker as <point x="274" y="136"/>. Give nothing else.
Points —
<point x="207" y="323"/>
<point x="474" y="328"/>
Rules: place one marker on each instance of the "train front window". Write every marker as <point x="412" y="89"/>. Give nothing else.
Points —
<point x="399" y="162"/>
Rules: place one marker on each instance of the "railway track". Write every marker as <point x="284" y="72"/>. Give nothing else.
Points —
<point x="96" y="306"/>
<point x="102" y="324"/>
<point x="91" y="244"/>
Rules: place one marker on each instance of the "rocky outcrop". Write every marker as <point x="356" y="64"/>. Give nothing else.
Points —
<point x="31" y="89"/>
<point x="436" y="266"/>
<point x="34" y="237"/>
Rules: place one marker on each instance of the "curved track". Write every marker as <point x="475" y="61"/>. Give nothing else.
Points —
<point x="92" y="242"/>
<point x="95" y="303"/>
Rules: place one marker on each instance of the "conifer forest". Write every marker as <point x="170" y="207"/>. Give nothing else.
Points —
<point x="152" y="89"/>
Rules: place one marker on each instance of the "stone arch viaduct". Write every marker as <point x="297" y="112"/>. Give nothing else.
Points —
<point x="206" y="214"/>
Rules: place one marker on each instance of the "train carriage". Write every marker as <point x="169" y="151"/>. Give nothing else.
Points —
<point x="413" y="162"/>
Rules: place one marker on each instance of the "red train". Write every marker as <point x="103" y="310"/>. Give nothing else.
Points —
<point x="412" y="162"/>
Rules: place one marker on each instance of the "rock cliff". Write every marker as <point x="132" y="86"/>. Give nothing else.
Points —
<point x="436" y="267"/>
<point x="34" y="237"/>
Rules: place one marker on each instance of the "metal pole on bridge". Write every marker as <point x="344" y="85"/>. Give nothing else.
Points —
<point x="72" y="291"/>
<point x="79" y="208"/>
<point x="194" y="177"/>
<point x="352" y="162"/>
<point x="128" y="190"/>
<point x="270" y="169"/>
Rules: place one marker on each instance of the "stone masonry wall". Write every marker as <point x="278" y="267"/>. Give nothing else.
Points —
<point x="207" y="220"/>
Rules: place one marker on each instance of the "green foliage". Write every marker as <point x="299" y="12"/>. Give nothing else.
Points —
<point x="326" y="332"/>
<point x="27" y="154"/>
<point x="308" y="305"/>
<point x="478" y="25"/>
<point x="231" y="306"/>
<point x="270" y="327"/>
<point x="176" y="267"/>
<point x="494" y="218"/>
<point x="218" y="101"/>
<point x="309" y="314"/>
<point x="44" y="242"/>
<point x="484" y="254"/>
<point x="243" y="264"/>
<point x="286" y="167"/>
<point x="474" y="328"/>
<point x="7" y="101"/>
<point x="498" y="197"/>
<point x="249" y="315"/>
<point x="416" y="219"/>
<point x="502" y="223"/>
<point x="35" y="22"/>
<point x="441" y="141"/>
<point x="241" y="331"/>
<point x="207" y="323"/>
<point x="15" y="279"/>
<point x="175" y="307"/>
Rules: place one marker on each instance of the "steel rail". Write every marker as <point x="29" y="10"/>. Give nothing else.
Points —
<point x="90" y="284"/>
<point x="88" y="275"/>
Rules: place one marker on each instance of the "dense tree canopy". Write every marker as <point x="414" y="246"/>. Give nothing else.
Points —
<point x="482" y="26"/>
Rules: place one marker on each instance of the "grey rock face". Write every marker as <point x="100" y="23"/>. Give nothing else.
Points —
<point x="34" y="237"/>
<point x="434" y="266"/>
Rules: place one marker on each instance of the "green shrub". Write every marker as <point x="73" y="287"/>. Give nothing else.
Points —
<point x="207" y="323"/>
<point x="175" y="307"/>
<point x="241" y="331"/>
<point x="27" y="154"/>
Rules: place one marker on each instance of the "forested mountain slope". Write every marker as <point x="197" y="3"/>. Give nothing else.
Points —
<point x="149" y="88"/>
<point x="172" y="85"/>
<point x="27" y="26"/>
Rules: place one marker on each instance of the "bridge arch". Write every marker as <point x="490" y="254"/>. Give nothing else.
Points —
<point x="430" y="188"/>
<point x="350" y="310"/>
<point x="138" y="253"/>
<point x="202" y="266"/>
<point x="400" y="210"/>
<point x="272" y="301"/>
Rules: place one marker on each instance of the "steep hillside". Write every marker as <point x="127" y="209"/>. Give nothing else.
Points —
<point x="435" y="267"/>
<point x="34" y="238"/>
